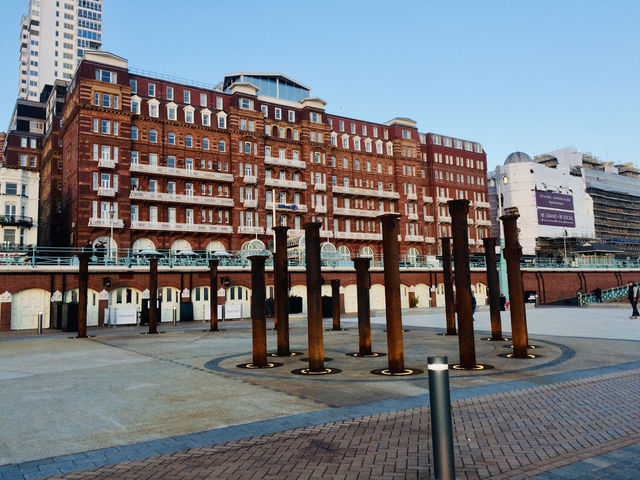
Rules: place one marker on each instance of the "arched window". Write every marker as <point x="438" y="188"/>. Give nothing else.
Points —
<point x="171" y="138"/>
<point x="412" y="256"/>
<point x="344" y="252"/>
<point x="366" y="252"/>
<point x="153" y="136"/>
<point x="188" y="141"/>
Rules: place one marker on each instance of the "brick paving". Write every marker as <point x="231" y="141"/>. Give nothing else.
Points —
<point x="573" y="429"/>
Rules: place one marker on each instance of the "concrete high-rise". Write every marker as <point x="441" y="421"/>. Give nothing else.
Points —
<point x="53" y="37"/>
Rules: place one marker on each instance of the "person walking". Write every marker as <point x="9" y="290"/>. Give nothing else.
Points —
<point x="633" y="295"/>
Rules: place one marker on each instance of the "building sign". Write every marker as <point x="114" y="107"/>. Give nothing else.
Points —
<point x="560" y="201"/>
<point x="556" y="218"/>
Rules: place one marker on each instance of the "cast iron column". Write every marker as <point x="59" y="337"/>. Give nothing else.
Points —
<point x="213" y="294"/>
<point x="512" y="254"/>
<point x="458" y="209"/>
<point x="449" y="306"/>
<point x="83" y="286"/>
<point x="258" y="320"/>
<point x="364" y="305"/>
<point x="335" y="303"/>
<point x="281" y="291"/>
<point x="314" y="298"/>
<point x="391" y="255"/>
<point x="153" y="295"/>
<point x="493" y="285"/>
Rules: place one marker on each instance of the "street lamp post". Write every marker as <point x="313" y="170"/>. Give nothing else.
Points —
<point x="112" y="213"/>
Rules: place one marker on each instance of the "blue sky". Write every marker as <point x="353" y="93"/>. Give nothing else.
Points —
<point x="512" y="75"/>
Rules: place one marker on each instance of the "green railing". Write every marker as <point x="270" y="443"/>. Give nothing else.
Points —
<point x="608" y="295"/>
<point x="65" y="256"/>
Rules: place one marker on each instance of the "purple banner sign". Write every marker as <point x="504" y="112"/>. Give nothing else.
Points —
<point x="556" y="218"/>
<point x="554" y="200"/>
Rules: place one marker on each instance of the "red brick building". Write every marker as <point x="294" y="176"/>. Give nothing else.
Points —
<point x="176" y="166"/>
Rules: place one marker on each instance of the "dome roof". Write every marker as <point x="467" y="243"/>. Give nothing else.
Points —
<point x="518" y="157"/>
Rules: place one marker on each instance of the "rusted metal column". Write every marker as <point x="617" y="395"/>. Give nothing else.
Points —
<point x="512" y="254"/>
<point x="83" y="287"/>
<point x="459" y="209"/>
<point x="364" y="306"/>
<point x="153" y="295"/>
<point x="449" y="306"/>
<point x="281" y="291"/>
<point x="213" y="294"/>
<point x="258" y="319"/>
<point x="493" y="285"/>
<point x="335" y="303"/>
<point x="314" y="298"/>
<point x="391" y="256"/>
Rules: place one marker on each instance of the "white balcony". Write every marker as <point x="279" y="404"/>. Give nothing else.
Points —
<point x="443" y="199"/>
<point x="276" y="182"/>
<point x="472" y="241"/>
<point x="296" y="207"/>
<point x="483" y="223"/>
<point x="284" y="162"/>
<point x="106" y="163"/>
<point x="444" y="219"/>
<point x="412" y="196"/>
<point x="358" y="235"/>
<point x="250" y="203"/>
<point x="412" y="216"/>
<point x="483" y="205"/>
<point x="365" y="192"/>
<point x="251" y="230"/>
<point x="106" y="192"/>
<point x="355" y="212"/>
<point x="470" y="221"/>
<point x="414" y="238"/>
<point x="429" y="240"/>
<point x="428" y="218"/>
<point x="181" y="227"/>
<point x="252" y="179"/>
<point x="320" y="208"/>
<point x="105" y="222"/>
<point x="426" y="199"/>
<point x="181" y="172"/>
<point x="177" y="198"/>
<point x="320" y="187"/>
<point x="326" y="234"/>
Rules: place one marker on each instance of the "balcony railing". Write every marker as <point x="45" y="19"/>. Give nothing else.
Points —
<point x="320" y="208"/>
<point x="483" y="205"/>
<point x="106" y="222"/>
<point x="181" y="227"/>
<point x="365" y="192"/>
<point x="412" y="216"/>
<point x="181" y="172"/>
<point x="358" y="235"/>
<point x="414" y="238"/>
<point x="320" y="187"/>
<point x="443" y="199"/>
<point x="178" y="198"/>
<point x="106" y="163"/>
<point x="429" y="240"/>
<point x="252" y="179"/>
<point x="106" y="192"/>
<point x="296" y="207"/>
<point x="250" y="203"/>
<point x="426" y="199"/>
<point x="444" y="219"/>
<point x="251" y="230"/>
<point x="284" y="162"/>
<point x="277" y="182"/>
<point x="412" y="196"/>
<point x="356" y="212"/>
<point x="484" y="223"/>
<point x="16" y="220"/>
<point x="428" y="218"/>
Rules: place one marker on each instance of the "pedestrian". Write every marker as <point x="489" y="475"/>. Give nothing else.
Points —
<point x="598" y="294"/>
<point x="503" y="302"/>
<point x="633" y="295"/>
<point x="473" y="305"/>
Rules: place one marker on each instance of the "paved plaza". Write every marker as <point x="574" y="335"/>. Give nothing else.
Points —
<point x="176" y="406"/>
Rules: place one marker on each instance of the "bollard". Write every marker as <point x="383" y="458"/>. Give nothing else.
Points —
<point x="40" y="315"/>
<point x="441" y="428"/>
<point x="174" y="316"/>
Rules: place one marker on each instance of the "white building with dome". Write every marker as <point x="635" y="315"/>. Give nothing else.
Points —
<point x="552" y="203"/>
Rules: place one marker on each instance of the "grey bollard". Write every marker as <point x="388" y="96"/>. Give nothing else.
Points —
<point x="441" y="428"/>
<point x="40" y="315"/>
